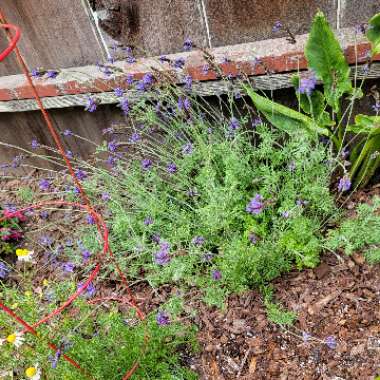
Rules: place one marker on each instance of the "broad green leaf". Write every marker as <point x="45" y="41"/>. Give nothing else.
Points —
<point x="313" y="105"/>
<point x="373" y="33"/>
<point x="283" y="117"/>
<point x="325" y="57"/>
<point x="366" y="124"/>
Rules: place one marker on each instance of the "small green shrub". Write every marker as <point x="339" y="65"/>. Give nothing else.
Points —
<point x="360" y="233"/>
<point x="181" y="217"/>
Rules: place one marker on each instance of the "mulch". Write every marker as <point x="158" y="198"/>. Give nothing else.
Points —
<point x="340" y="298"/>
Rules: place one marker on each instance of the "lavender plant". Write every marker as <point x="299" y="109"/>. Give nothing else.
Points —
<point x="204" y="199"/>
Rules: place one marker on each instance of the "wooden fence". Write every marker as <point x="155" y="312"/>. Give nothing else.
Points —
<point x="72" y="34"/>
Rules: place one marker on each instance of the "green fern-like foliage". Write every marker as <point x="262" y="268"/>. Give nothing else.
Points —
<point x="361" y="233"/>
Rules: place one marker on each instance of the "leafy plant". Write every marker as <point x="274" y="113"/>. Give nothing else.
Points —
<point x="322" y="112"/>
<point x="360" y="233"/>
<point x="181" y="208"/>
<point x="104" y="342"/>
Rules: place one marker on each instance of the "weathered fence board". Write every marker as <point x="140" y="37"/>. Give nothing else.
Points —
<point x="19" y="129"/>
<point x="55" y="34"/>
<point x="239" y="21"/>
<point x="153" y="27"/>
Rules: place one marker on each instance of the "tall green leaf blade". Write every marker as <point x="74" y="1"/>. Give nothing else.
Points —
<point x="325" y="57"/>
<point x="283" y="117"/>
<point x="373" y="33"/>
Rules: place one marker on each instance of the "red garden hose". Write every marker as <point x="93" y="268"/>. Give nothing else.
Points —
<point x="86" y="206"/>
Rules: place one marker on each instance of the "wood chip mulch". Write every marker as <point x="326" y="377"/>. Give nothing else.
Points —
<point x="340" y="298"/>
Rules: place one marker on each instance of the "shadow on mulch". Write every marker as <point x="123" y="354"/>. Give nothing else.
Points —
<point x="340" y="298"/>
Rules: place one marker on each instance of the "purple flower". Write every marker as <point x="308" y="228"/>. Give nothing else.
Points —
<point x="86" y="254"/>
<point x="256" y="205"/>
<point x="179" y="63"/>
<point x="69" y="154"/>
<point x="256" y="122"/>
<point x="376" y="107"/>
<point x="131" y="59"/>
<point x="162" y="257"/>
<point x="216" y="275"/>
<point x="208" y="256"/>
<point x="90" y="105"/>
<point x="163" y="59"/>
<point x="148" y="79"/>
<point x="118" y="91"/>
<point x="46" y="240"/>
<point x="51" y="74"/>
<point x="35" y="144"/>
<point x="111" y="160"/>
<point x="198" y="240"/>
<point x="129" y="79"/>
<point x="285" y="214"/>
<point x="156" y="238"/>
<point x="106" y="197"/>
<point x="140" y="86"/>
<point x="55" y="359"/>
<point x="16" y="162"/>
<point x="252" y="238"/>
<point x="44" y="214"/>
<point x="184" y="103"/>
<point x="67" y="132"/>
<point x="307" y="84"/>
<point x="277" y="27"/>
<point x="331" y="342"/>
<point x="188" y="44"/>
<point x="205" y="69"/>
<point x="305" y="336"/>
<point x="162" y="318"/>
<point x="148" y="221"/>
<point x="124" y="106"/>
<point x="109" y="130"/>
<point x="80" y="174"/>
<point x="68" y="267"/>
<point x="146" y="164"/>
<point x="90" y="290"/>
<point x="44" y="184"/>
<point x="344" y="184"/>
<point x="171" y="168"/>
<point x="4" y="271"/>
<point x="234" y="124"/>
<point x="90" y="219"/>
<point x="76" y="190"/>
<point x="187" y="148"/>
<point x="135" y="137"/>
<point x="188" y="82"/>
<point x="112" y="146"/>
<point x="36" y="73"/>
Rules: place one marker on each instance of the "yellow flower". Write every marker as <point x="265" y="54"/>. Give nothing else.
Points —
<point x="45" y="282"/>
<point x="17" y="339"/>
<point x="28" y="293"/>
<point x="33" y="373"/>
<point x="24" y="254"/>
